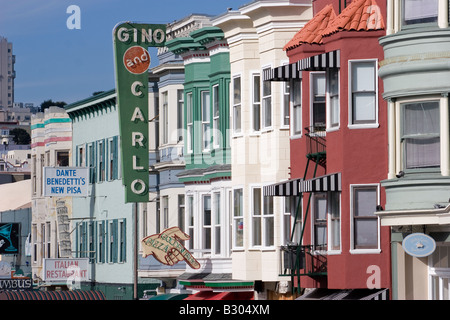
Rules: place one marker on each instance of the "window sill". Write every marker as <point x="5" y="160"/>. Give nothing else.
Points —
<point x="365" y="251"/>
<point x="295" y="136"/>
<point x="364" y="126"/>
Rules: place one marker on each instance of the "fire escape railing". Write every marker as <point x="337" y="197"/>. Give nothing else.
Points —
<point x="305" y="260"/>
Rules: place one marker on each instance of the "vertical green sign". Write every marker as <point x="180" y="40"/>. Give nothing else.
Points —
<point x="132" y="61"/>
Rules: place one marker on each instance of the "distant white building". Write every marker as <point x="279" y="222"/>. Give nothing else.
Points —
<point x="51" y="145"/>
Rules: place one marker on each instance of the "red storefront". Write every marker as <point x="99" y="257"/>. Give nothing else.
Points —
<point x="338" y="149"/>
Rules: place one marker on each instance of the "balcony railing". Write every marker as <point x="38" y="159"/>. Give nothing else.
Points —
<point x="303" y="260"/>
<point x="316" y="144"/>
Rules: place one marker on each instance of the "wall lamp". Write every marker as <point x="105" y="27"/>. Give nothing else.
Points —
<point x="400" y="174"/>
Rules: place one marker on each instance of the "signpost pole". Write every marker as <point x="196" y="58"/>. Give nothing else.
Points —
<point x="136" y="251"/>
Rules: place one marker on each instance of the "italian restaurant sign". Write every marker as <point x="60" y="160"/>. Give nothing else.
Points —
<point x="132" y="60"/>
<point x="64" y="269"/>
<point x="167" y="248"/>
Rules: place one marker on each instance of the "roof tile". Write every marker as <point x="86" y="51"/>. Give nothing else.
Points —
<point x="360" y="15"/>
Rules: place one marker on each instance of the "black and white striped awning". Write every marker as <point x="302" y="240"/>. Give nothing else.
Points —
<point x="293" y="71"/>
<point x="282" y="73"/>
<point x="320" y="62"/>
<point x="330" y="182"/>
<point x="283" y="189"/>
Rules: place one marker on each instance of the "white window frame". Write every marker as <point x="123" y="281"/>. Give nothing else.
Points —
<point x="285" y="104"/>
<point x="217" y="229"/>
<point x="165" y="118"/>
<point x="318" y="195"/>
<point x="400" y="124"/>
<point x="256" y="104"/>
<point x="205" y="97"/>
<point x="375" y="123"/>
<point x="264" y="217"/>
<point x="189" y="122"/>
<point x="296" y="134"/>
<point x="264" y="97"/>
<point x="180" y="114"/>
<point x="312" y="100"/>
<point x="354" y="250"/>
<point x="237" y="107"/>
<point x="190" y="220"/>
<point x="288" y="209"/>
<point x="329" y="97"/>
<point x="440" y="273"/>
<point x="235" y="219"/>
<point x="204" y="227"/>
<point x="330" y="228"/>
<point x="216" y="133"/>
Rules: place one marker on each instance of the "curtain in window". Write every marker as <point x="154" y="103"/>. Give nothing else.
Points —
<point x="421" y="135"/>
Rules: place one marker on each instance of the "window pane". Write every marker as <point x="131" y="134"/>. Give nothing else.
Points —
<point x="238" y="203"/>
<point x="365" y="232"/>
<point x="420" y="11"/>
<point x="365" y="202"/>
<point x="269" y="231"/>
<point x="237" y="90"/>
<point x="207" y="211"/>
<point x="256" y="88"/>
<point x="364" y="107"/>
<point x="256" y="231"/>
<point x="237" y="118"/>
<point x="256" y="201"/>
<point x="238" y="232"/>
<point x="363" y="76"/>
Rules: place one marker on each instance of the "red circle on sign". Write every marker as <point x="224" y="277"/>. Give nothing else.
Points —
<point x="137" y="60"/>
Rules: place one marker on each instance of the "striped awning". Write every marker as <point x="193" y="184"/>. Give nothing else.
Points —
<point x="320" y="62"/>
<point x="283" y="73"/>
<point x="329" y="182"/>
<point x="283" y="189"/>
<point x="52" y="295"/>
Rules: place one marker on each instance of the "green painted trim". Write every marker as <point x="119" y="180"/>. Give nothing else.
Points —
<point x="36" y="126"/>
<point x="90" y="99"/>
<point x="57" y="120"/>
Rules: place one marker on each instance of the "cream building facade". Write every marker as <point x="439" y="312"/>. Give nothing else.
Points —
<point x="256" y="34"/>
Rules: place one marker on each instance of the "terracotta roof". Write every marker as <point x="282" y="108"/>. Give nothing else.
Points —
<point x="360" y="15"/>
<point x="312" y="31"/>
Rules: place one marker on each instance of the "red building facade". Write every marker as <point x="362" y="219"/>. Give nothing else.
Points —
<point x="338" y="150"/>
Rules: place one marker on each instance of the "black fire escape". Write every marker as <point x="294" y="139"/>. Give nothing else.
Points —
<point x="299" y="259"/>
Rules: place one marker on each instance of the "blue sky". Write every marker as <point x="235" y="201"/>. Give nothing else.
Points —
<point x="54" y="62"/>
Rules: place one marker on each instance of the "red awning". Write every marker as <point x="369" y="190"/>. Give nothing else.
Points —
<point x="52" y="295"/>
